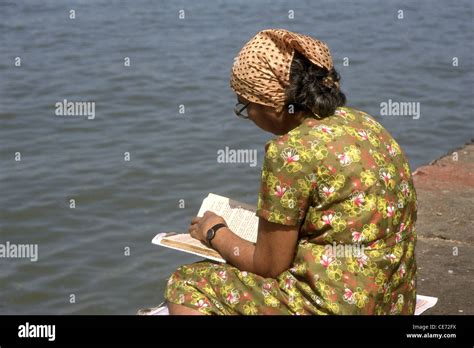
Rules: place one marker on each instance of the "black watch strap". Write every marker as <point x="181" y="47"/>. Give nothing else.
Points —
<point x="211" y="234"/>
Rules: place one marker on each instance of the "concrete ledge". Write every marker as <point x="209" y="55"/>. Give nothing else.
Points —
<point x="445" y="249"/>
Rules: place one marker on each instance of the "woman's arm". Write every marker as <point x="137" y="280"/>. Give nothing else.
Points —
<point x="271" y="255"/>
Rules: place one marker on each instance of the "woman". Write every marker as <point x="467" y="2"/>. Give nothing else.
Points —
<point x="333" y="178"/>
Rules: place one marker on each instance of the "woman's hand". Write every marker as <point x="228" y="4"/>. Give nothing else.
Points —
<point x="200" y="225"/>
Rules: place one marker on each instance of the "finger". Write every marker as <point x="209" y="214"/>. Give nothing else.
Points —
<point x="194" y="234"/>
<point x="195" y="220"/>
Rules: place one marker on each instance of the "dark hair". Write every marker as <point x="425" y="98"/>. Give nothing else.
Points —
<point x="312" y="88"/>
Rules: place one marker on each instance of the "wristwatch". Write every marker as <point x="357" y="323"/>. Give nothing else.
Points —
<point x="211" y="233"/>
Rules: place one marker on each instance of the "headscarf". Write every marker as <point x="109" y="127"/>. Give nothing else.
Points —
<point x="261" y="71"/>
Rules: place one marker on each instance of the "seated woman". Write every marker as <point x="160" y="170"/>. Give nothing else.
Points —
<point x="333" y="178"/>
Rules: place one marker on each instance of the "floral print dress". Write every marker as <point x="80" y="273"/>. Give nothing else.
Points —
<point x="347" y="183"/>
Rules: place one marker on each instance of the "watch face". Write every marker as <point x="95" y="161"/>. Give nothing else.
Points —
<point x="210" y="234"/>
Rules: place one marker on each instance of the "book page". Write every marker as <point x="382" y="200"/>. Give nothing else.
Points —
<point x="184" y="242"/>
<point x="423" y="303"/>
<point x="240" y="217"/>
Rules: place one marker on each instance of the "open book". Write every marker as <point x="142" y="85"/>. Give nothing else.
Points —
<point x="240" y="218"/>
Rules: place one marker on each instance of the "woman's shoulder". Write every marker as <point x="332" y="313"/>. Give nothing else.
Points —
<point x="313" y="129"/>
<point x="277" y="143"/>
<point x="353" y="111"/>
<point x="286" y="142"/>
<point x="353" y="117"/>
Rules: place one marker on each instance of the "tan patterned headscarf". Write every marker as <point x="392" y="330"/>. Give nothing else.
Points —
<point x="261" y="71"/>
